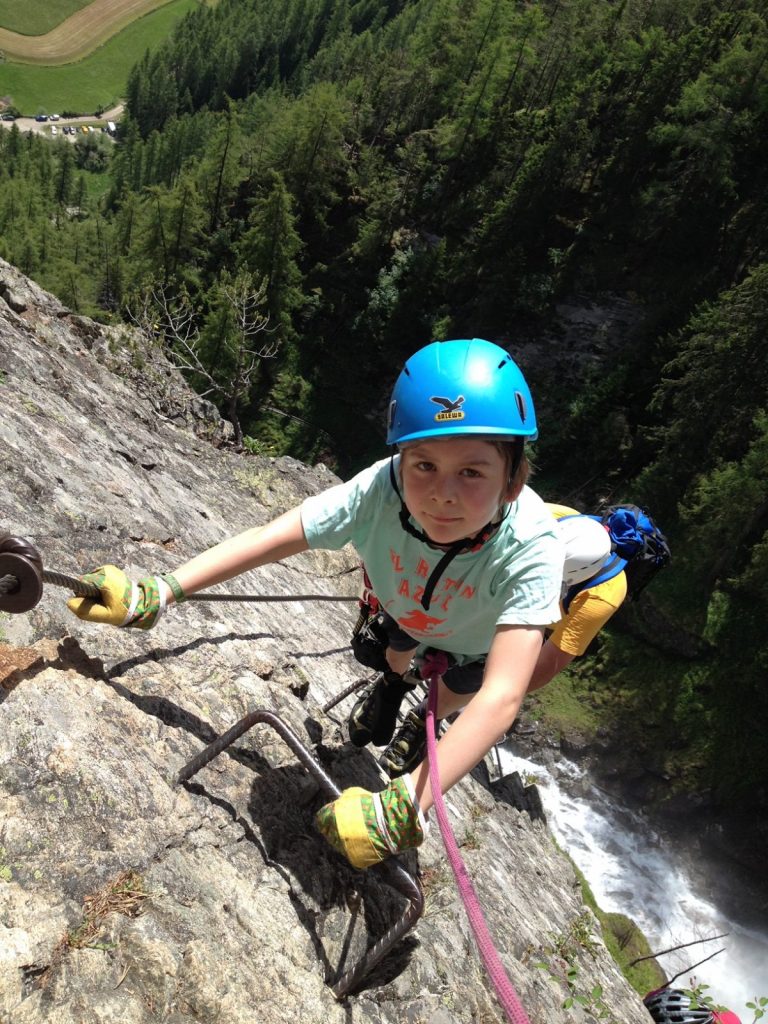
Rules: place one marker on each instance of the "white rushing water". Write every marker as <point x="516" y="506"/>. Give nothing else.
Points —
<point x="630" y="871"/>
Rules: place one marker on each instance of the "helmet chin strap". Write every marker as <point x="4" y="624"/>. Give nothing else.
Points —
<point x="451" y="550"/>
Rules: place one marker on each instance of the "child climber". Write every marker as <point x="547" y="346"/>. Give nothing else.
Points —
<point x="463" y="557"/>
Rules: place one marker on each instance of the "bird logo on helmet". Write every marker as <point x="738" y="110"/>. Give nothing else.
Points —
<point x="492" y="398"/>
<point x="451" y="408"/>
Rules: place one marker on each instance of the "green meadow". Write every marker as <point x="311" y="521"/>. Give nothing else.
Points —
<point x="36" y="17"/>
<point x="98" y="80"/>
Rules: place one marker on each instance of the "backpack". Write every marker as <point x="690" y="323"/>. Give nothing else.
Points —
<point x="638" y="548"/>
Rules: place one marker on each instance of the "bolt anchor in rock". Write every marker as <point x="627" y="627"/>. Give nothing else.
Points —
<point x="21" y="574"/>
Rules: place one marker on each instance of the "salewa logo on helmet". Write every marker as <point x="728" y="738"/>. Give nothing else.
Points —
<point x="451" y="408"/>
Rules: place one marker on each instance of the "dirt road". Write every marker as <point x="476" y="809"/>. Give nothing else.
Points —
<point x="79" y="35"/>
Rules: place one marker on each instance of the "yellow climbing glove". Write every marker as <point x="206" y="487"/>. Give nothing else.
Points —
<point x="123" y="602"/>
<point x="369" y="827"/>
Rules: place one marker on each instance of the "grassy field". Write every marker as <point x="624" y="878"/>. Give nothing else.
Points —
<point x="36" y="17"/>
<point x="98" y="80"/>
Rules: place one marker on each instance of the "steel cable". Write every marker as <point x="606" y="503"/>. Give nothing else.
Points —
<point x="9" y="585"/>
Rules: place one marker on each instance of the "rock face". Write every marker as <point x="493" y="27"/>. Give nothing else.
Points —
<point x="127" y="898"/>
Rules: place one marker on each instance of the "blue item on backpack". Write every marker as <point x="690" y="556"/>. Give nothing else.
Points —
<point x="638" y="548"/>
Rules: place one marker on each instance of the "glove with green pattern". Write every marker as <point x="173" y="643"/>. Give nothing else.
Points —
<point x="123" y="602"/>
<point x="369" y="827"/>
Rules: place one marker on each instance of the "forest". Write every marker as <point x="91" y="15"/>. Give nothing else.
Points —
<point x="307" y="191"/>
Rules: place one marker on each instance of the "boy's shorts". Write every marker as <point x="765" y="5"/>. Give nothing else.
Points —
<point x="467" y="678"/>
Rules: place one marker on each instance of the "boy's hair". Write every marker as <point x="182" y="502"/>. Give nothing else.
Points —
<point x="516" y="461"/>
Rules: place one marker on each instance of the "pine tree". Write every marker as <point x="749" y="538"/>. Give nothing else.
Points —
<point x="269" y="249"/>
<point x="65" y="176"/>
<point x="219" y="172"/>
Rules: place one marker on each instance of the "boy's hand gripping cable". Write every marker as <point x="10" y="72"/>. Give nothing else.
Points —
<point x="105" y="595"/>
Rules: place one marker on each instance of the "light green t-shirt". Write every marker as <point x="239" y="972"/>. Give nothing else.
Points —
<point x="513" y="579"/>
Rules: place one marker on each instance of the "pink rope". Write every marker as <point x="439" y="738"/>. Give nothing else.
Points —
<point x="493" y="965"/>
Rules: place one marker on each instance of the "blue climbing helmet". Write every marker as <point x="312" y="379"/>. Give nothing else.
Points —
<point x="461" y="388"/>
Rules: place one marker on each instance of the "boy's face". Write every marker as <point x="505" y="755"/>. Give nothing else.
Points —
<point x="453" y="486"/>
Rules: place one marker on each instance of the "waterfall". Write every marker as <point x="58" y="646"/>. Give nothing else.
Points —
<point x="632" y="871"/>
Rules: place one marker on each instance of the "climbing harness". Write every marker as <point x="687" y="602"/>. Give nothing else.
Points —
<point x="22" y="576"/>
<point x="391" y="871"/>
<point x="369" y="638"/>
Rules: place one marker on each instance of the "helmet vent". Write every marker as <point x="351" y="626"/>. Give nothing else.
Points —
<point x="520" y="402"/>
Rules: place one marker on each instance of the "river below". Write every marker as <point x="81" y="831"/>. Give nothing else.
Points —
<point x="632" y="869"/>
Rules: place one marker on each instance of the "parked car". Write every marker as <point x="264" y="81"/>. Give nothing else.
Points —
<point x="54" y="117"/>
<point x="84" y="129"/>
<point x="54" y="130"/>
<point x="7" y="117"/>
<point x="41" y="117"/>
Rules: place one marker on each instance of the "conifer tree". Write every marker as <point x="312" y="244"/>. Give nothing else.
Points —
<point x="270" y="248"/>
<point x="219" y="172"/>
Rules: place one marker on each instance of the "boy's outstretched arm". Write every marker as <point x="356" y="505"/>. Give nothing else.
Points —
<point x="140" y="604"/>
<point x="489" y="714"/>
<point x="260" y="545"/>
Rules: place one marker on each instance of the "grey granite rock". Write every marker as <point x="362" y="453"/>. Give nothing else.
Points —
<point x="127" y="898"/>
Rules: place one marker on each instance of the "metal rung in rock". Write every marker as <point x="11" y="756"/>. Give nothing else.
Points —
<point x="390" y="871"/>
